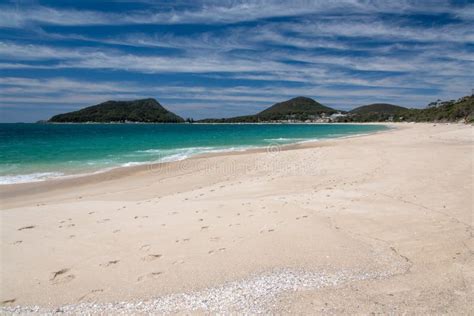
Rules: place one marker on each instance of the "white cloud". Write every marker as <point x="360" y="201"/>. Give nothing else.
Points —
<point x="342" y="53"/>
<point x="204" y="61"/>
<point x="376" y="28"/>
<point x="208" y="12"/>
<point x="61" y="91"/>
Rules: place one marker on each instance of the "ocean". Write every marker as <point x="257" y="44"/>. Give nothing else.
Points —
<point x="36" y="152"/>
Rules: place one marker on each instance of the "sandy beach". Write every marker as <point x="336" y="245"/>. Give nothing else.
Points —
<point x="377" y="223"/>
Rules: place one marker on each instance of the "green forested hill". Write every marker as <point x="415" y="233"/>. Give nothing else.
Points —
<point x="378" y="108"/>
<point x="299" y="108"/>
<point x="449" y="111"/>
<point x="145" y="110"/>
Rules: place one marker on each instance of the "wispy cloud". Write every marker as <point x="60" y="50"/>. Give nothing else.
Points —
<point x="205" y="12"/>
<point x="236" y="55"/>
<point x="198" y="100"/>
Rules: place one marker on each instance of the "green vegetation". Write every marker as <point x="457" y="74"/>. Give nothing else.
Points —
<point x="237" y="119"/>
<point x="298" y="109"/>
<point x="145" y="110"/>
<point x="449" y="111"/>
<point x="378" y="108"/>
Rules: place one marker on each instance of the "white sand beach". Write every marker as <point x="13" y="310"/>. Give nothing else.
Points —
<point x="378" y="223"/>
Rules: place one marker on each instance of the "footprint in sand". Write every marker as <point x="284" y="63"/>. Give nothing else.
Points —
<point x="182" y="240"/>
<point x="145" y="248"/>
<point x="109" y="263"/>
<point x="17" y="242"/>
<point x="116" y="231"/>
<point x="211" y="252"/>
<point x="10" y="301"/>
<point x="61" y="276"/>
<point x="204" y="227"/>
<point x="152" y="275"/>
<point x="26" y="227"/>
<point x="152" y="257"/>
<point x="90" y="295"/>
<point x="105" y="220"/>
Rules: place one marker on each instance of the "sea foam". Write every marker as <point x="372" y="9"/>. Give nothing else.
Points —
<point x="32" y="177"/>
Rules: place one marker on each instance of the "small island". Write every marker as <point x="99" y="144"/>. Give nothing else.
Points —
<point x="137" y="111"/>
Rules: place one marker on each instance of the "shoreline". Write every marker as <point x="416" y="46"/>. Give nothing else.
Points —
<point x="121" y="171"/>
<point x="214" y="151"/>
<point x="382" y="220"/>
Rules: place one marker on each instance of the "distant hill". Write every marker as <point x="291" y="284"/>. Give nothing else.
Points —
<point x="378" y="108"/>
<point x="145" y="110"/>
<point x="448" y="111"/>
<point x="296" y="107"/>
<point x="299" y="108"/>
<point x="461" y="110"/>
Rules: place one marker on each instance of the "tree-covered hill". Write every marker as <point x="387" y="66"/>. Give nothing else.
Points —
<point x="378" y="108"/>
<point x="145" y="110"/>
<point x="299" y="109"/>
<point x="449" y="111"/>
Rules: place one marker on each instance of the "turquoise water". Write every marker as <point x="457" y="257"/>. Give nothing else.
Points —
<point x="34" y="152"/>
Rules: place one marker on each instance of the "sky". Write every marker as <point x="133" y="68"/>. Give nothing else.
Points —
<point x="225" y="58"/>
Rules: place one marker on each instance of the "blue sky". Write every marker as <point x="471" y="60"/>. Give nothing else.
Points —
<point x="225" y="58"/>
